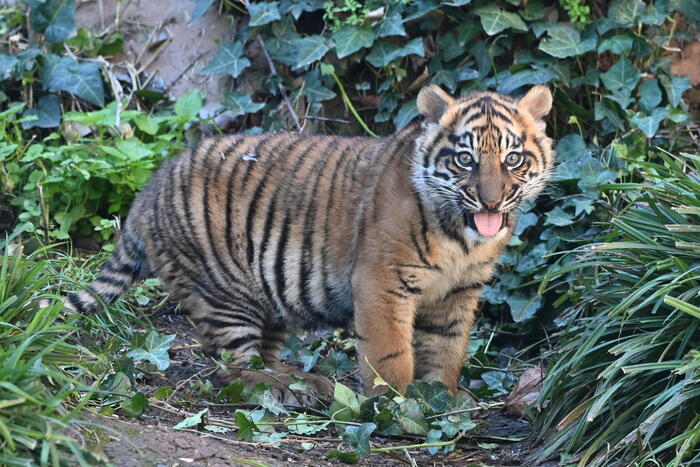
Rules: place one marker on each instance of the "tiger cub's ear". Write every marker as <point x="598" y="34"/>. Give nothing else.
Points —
<point x="537" y="102"/>
<point x="433" y="102"/>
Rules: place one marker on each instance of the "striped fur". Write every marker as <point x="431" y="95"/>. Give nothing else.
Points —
<point x="259" y="235"/>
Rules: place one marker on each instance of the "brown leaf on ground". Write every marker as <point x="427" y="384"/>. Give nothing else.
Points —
<point x="526" y="392"/>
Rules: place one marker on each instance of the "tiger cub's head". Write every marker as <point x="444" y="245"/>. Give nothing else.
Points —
<point x="481" y="156"/>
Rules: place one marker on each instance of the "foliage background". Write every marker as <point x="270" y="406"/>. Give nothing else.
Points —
<point x="79" y="135"/>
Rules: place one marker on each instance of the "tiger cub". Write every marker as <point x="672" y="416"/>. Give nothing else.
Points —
<point x="258" y="235"/>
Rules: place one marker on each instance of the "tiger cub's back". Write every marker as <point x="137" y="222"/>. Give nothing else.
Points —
<point x="265" y="219"/>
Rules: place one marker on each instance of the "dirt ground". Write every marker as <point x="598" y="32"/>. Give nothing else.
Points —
<point x="151" y="440"/>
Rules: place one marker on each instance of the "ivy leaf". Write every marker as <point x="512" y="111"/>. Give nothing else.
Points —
<point x="495" y="20"/>
<point x="155" y="350"/>
<point x="581" y="204"/>
<point x="456" y="422"/>
<point x="675" y="86"/>
<point x="47" y="113"/>
<point x="53" y="18"/>
<point x="620" y="80"/>
<point x="690" y="8"/>
<point x="649" y="124"/>
<point x="523" y="307"/>
<point x="297" y="7"/>
<point x="385" y="51"/>
<point x="7" y="66"/>
<point x="241" y="104"/>
<point x="533" y="11"/>
<point x="263" y="12"/>
<point x="350" y="39"/>
<point x="200" y="7"/>
<point x="529" y="262"/>
<point x="163" y="393"/>
<point x="655" y="13"/>
<point x="625" y="12"/>
<point x="189" y="105"/>
<point x="191" y="421"/>
<point x="524" y="221"/>
<point x="346" y="457"/>
<point x="411" y="419"/>
<point x="617" y="44"/>
<point x="498" y="381"/>
<point x="564" y="41"/>
<point x="135" y="405"/>
<point x="232" y="393"/>
<point x="246" y="427"/>
<point x="514" y="81"/>
<point x="271" y="403"/>
<point x="358" y="437"/>
<point x="406" y="113"/>
<point x="336" y="363"/>
<point x="314" y="89"/>
<point x="433" y="395"/>
<point x="606" y="110"/>
<point x="649" y="95"/>
<point x="391" y="26"/>
<point x="229" y="59"/>
<point x="558" y="217"/>
<point x="81" y="79"/>
<point x="343" y="396"/>
<point x="310" y="49"/>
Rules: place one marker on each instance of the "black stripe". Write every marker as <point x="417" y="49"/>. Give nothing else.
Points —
<point x="324" y="246"/>
<point x="262" y="183"/>
<point x="229" y="206"/>
<point x="397" y="294"/>
<point x="279" y="277"/>
<point x="391" y="356"/>
<point x="464" y="288"/>
<point x="243" y="340"/>
<point x="429" y="150"/>
<point x="208" y="226"/>
<point x="307" y="253"/>
<point x="120" y="282"/>
<point x="407" y="287"/>
<point x="444" y="330"/>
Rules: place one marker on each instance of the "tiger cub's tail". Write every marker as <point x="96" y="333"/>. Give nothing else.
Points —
<point x="127" y="264"/>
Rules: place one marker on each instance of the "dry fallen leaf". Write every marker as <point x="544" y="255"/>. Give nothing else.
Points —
<point x="526" y="391"/>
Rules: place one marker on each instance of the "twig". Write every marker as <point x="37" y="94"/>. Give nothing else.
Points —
<point x="188" y="68"/>
<point x="422" y="445"/>
<point x="188" y="346"/>
<point x="325" y="119"/>
<point x="273" y="71"/>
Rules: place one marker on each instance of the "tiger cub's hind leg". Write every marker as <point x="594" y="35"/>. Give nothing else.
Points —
<point x="316" y="388"/>
<point x="243" y="333"/>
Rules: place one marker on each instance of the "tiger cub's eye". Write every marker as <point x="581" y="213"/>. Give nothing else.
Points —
<point x="514" y="159"/>
<point x="464" y="160"/>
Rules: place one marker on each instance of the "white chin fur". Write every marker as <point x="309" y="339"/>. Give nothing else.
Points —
<point x="475" y="237"/>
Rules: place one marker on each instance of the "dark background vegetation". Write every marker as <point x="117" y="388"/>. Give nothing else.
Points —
<point x="599" y="286"/>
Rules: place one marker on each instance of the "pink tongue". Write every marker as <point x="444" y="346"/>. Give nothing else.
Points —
<point x="488" y="223"/>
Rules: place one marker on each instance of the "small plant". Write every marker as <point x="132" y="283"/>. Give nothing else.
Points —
<point x="578" y="11"/>
<point x="38" y="364"/>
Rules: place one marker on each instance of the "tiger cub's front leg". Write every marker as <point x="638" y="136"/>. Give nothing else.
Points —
<point x="441" y="336"/>
<point x="384" y="313"/>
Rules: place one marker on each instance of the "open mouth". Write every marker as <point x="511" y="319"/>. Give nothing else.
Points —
<point x="487" y="224"/>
